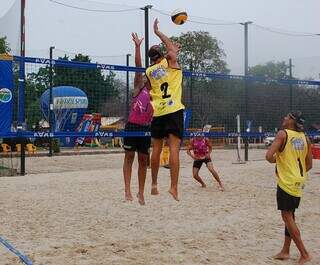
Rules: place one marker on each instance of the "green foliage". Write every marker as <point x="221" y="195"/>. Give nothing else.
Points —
<point x="33" y="112"/>
<point x="56" y="145"/>
<point x="214" y="102"/>
<point x="36" y="84"/>
<point x="4" y="46"/>
<point x="201" y="52"/>
<point x="274" y="70"/>
<point x="101" y="87"/>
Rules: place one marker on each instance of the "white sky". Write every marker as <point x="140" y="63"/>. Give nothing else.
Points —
<point x="108" y="34"/>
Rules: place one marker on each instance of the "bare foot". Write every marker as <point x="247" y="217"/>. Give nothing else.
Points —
<point x="128" y="196"/>
<point x="304" y="260"/>
<point x="221" y="188"/>
<point x="174" y="194"/>
<point x="141" y="199"/>
<point x="282" y="256"/>
<point x="203" y="185"/>
<point x="154" y="190"/>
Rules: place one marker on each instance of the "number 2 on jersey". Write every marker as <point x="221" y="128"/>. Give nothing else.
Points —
<point x="164" y="88"/>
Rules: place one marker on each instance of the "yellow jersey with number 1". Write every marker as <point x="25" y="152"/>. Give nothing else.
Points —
<point x="291" y="163"/>
<point x="166" y="88"/>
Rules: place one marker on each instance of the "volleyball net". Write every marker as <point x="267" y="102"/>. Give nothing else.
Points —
<point x="104" y="90"/>
<point x="77" y="102"/>
<point x="213" y="98"/>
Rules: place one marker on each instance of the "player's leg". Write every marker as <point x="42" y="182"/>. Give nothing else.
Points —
<point x="127" y="171"/>
<point x="195" y="172"/>
<point x="157" y="134"/>
<point x="174" y="162"/>
<point x="214" y="174"/>
<point x="143" y="154"/>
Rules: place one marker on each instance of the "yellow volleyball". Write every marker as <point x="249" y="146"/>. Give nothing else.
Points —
<point x="179" y="16"/>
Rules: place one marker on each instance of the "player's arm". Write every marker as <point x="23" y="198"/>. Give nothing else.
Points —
<point x="172" y="48"/>
<point x="189" y="148"/>
<point x="276" y="146"/>
<point x="138" y="79"/>
<point x="309" y="156"/>
<point x="209" y="145"/>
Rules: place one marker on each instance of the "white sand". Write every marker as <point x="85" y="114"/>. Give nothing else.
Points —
<point x="70" y="210"/>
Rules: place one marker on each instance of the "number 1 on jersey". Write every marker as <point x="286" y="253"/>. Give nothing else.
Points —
<point x="300" y="167"/>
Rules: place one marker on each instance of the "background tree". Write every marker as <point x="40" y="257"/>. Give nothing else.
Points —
<point x="274" y="70"/>
<point x="101" y="87"/>
<point x="200" y="52"/>
<point x="269" y="101"/>
<point x="4" y="46"/>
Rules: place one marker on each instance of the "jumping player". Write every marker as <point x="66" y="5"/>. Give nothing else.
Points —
<point x="165" y="77"/>
<point x="139" y="119"/>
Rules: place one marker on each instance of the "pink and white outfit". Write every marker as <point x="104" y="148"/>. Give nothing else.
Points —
<point x="200" y="147"/>
<point x="141" y="110"/>
<point x="139" y="119"/>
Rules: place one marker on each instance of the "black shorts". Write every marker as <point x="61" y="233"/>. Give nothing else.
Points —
<point x="139" y="144"/>
<point x="286" y="202"/>
<point x="198" y="163"/>
<point x="167" y="124"/>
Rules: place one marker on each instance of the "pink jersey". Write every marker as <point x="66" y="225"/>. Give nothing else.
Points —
<point x="200" y="146"/>
<point x="141" y="110"/>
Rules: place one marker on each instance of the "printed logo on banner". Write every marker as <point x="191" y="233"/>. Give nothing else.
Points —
<point x="44" y="61"/>
<point x="5" y="95"/>
<point x="105" y="67"/>
<point x="103" y="134"/>
<point x="43" y="134"/>
<point x="197" y="134"/>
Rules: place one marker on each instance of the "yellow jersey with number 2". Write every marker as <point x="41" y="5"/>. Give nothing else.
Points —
<point x="291" y="165"/>
<point x="166" y="88"/>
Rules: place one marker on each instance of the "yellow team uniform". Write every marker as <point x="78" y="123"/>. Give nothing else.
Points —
<point x="291" y="165"/>
<point x="166" y="87"/>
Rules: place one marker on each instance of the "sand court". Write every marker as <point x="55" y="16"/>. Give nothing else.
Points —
<point x="71" y="210"/>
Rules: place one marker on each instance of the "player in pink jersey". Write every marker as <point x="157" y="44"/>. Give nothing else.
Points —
<point x="200" y="149"/>
<point x="139" y="119"/>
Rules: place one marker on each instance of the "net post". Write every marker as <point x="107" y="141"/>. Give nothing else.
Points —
<point x="239" y="160"/>
<point x="50" y="101"/>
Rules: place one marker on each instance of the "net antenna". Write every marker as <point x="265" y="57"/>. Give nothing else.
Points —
<point x="239" y="160"/>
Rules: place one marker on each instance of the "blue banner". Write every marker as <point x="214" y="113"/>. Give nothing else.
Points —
<point x="6" y="95"/>
<point x="186" y="118"/>
<point x="121" y="133"/>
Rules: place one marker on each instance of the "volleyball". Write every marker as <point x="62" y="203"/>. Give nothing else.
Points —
<point x="179" y="16"/>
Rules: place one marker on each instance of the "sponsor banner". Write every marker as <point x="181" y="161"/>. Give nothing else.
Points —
<point x="122" y="133"/>
<point x="70" y="103"/>
<point x="6" y="96"/>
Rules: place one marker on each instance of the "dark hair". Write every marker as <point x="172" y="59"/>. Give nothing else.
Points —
<point x="298" y="119"/>
<point x="155" y="53"/>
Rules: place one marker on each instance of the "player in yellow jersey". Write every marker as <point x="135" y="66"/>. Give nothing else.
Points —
<point x="165" y="77"/>
<point x="291" y="151"/>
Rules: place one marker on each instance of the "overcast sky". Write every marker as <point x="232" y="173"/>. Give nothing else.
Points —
<point x="104" y="34"/>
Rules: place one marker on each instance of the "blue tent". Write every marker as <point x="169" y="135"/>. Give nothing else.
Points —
<point x="69" y="105"/>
